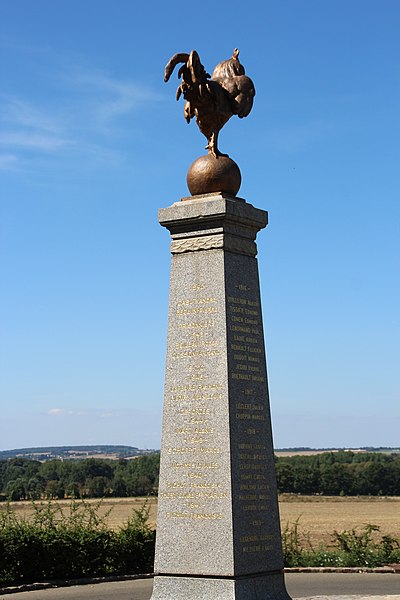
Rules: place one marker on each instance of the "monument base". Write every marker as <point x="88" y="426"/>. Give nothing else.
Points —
<point x="262" y="587"/>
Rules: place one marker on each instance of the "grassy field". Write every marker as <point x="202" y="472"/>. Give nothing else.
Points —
<point x="318" y="516"/>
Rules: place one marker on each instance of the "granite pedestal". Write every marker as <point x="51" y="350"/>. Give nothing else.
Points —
<point x="218" y="533"/>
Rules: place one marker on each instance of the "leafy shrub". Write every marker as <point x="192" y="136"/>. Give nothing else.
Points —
<point x="291" y="546"/>
<point x="57" y="545"/>
<point x="362" y="550"/>
<point x="77" y="542"/>
<point x="135" y="544"/>
<point x="354" y="548"/>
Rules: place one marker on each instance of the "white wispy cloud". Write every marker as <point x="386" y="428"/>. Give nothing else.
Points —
<point x="27" y="127"/>
<point x="107" y="415"/>
<point x="38" y="141"/>
<point x="23" y="114"/>
<point x="80" y="117"/>
<point x="7" y="161"/>
<point x="92" y="413"/>
<point x="114" y="98"/>
<point x="59" y="412"/>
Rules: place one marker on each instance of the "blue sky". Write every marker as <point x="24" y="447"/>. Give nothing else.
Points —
<point x="92" y="143"/>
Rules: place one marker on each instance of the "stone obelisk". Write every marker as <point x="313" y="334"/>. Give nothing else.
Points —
<point x="218" y="533"/>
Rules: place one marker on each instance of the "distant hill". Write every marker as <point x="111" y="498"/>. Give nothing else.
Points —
<point x="118" y="451"/>
<point x="74" y="452"/>
<point x="337" y="449"/>
<point x="306" y="451"/>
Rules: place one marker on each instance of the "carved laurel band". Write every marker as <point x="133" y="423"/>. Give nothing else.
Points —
<point x="210" y="242"/>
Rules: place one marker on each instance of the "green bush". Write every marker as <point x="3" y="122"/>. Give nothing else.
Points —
<point x="291" y="546"/>
<point x="135" y="544"/>
<point x="362" y="550"/>
<point x="57" y="545"/>
<point x="77" y="542"/>
<point x="354" y="548"/>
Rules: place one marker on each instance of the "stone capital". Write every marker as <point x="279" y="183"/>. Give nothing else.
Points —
<point x="213" y="221"/>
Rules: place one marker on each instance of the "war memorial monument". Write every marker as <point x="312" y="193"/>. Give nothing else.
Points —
<point x="218" y="533"/>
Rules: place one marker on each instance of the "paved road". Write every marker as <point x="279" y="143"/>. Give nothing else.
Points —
<point x="299" y="585"/>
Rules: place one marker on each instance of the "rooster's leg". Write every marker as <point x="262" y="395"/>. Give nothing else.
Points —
<point x="212" y="145"/>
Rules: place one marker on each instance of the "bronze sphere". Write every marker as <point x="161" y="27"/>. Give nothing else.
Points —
<point x="209" y="174"/>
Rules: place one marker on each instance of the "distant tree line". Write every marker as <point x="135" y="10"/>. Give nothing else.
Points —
<point x="343" y="473"/>
<point x="49" y="452"/>
<point x="26" y="479"/>
<point x="331" y="473"/>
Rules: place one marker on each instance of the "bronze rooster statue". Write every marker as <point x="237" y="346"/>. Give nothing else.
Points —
<point x="212" y="100"/>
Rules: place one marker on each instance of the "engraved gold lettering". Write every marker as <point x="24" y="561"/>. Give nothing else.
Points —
<point x="176" y="484"/>
<point x="189" y="301"/>
<point x="241" y="376"/>
<point x="196" y="353"/>
<point x="240" y="328"/>
<point x="196" y="465"/>
<point x="205" y="486"/>
<point x="168" y="495"/>
<point x="197" y="310"/>
<point x="190" y="515"/>
<point x="236" y="300"/>
<point x="182" y="450"/>
<point x="197" y="325"/>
